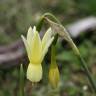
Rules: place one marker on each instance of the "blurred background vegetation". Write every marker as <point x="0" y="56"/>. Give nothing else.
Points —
<point x="15" y="18"/>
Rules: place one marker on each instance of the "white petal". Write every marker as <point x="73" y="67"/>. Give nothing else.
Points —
<point x="36" y="49"/>
<point x="26" y="46"/>
<point x="46" y="37"/>
<point x="46" y="47"/>
<point x="34" y="72"/>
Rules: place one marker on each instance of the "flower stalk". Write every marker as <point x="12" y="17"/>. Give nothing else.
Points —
<point x="53" y="70"/>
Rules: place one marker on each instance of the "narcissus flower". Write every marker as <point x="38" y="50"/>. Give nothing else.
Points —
<point x="36" y="50"/>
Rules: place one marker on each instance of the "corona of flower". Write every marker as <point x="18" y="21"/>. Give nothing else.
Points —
<point x="36" y="50"/>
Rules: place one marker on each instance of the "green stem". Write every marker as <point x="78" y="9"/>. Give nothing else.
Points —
<point x="87" y="73"/>
<point x="52" y="16"/>
<point x="41" y="21"/>
<point x="83" y="64"/>
<point x="21" y="82"/>
<point x="40" y="24"/>
<point x="53" y="56"/>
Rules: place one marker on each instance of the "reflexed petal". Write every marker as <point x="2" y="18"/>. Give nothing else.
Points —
<point x="46" y="48"/>
<point x="46" y="37"/>
<point x="30" y="35"/>
<point x="34" y="29"/>
<point x="36" y="48"/>
<point x="34" y="72"/>
<point x="26" y="46"/>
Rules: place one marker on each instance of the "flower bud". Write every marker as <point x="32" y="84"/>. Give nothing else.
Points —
<point x="53" y="71"/>
<point x="54" y="76"/>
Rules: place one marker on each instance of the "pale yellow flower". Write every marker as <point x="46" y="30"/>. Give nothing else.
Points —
<point x="36" y="50"/>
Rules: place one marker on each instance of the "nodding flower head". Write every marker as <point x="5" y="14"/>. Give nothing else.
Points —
<point x="36" y="50"/>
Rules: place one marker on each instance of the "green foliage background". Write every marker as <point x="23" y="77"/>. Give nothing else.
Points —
<point x="15" y="18"/>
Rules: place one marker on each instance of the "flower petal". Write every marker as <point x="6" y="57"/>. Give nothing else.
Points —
<point x="46" y="47"/>
<point x="34" y="29"/>
<point x="36" y="48"/>
<point x="46" y="37"/>
<point x="34" y="72"/>
<point x="30" y="35"/>
<point x="26" y="46"/>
